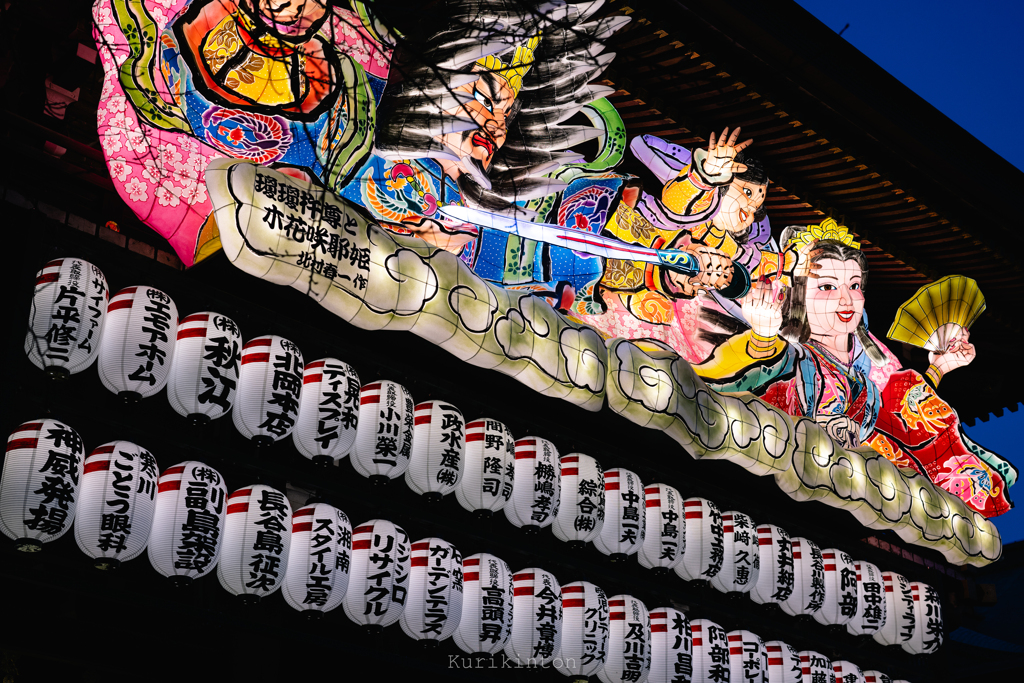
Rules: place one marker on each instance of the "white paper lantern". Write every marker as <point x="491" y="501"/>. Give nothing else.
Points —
<point x="536" y="484"/>
<point x="319" y="559"/>
<point x="876" y="677"/>
<point x="41" y="481"/>
<point x="808" y="579"/>
<point x="899" y="611"/>
<point x="581" y="501"/>
<point x="623" y="531"/>
<point x="840" y="603"/>
<point x="847" y="672"/>
<point x="204" y="372"/>
<point x="704" y="547"/>
<point x="775" y="577"/>
<point x="584" y="645"/>
<point x="710" y="652"/>
<point x="664" y="528"/>
<point x="325" y="429"/>
<point x="783" y="663"/>
<point x="671" y="646"/>
<point x="741" y="561"/>
<point x="69" y="305"/>
<point x="269" y="384"/>
<point x="816" y="668"/>
<point x="870" y="613"/>
<point x="257" y="541"/>
<point x="488" y="469"/>
<point x="137" y="344"/>
<point x="433" y="606"/>
<point x="748" y="661"/>
<point x="927" y="635"/>
<point x="629" y="640"/>
<point x="384" y="435"/>
<point x="486" y="622"/>
<point x="537" y="623"/>
<point x="379" y="583"/>
<point x="188" y="525"/>
<point x="438" y="442"/>
<point x="116" y="503"/>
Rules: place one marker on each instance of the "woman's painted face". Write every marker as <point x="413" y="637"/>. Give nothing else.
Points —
<point x="835" y="300"/>
<point x="291" y="17"/>
<point x="492" y="101"/>
<point x="740" y="203"/>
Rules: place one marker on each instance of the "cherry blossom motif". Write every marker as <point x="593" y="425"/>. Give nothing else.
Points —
<point x="348" y="30"/>
<point x="358" y="52"/>
<point x="118" y="121"/>
<point x="169" y="155"/>
<point x="137" y="141"/>
<point x="193" y="192"/>
<point x="380" y="58"/>
<point x="158" y="16"/>
<point x="117" y="104"/>
<point x="167" y="194"/>
<point x="136" y="190"/>
<point x="102" y="16"/>
<point x="111" y="141"/>
<point x="153" y="171"/>
<point x="120" y="168"/>
<point x="165" y="3"/>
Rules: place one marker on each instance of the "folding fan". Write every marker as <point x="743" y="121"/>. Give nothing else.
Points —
<point x="938" y="312"/>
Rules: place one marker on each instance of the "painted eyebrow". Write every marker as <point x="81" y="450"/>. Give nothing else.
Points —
<point x="493" y="86"/>
<point x="828" y="277"/>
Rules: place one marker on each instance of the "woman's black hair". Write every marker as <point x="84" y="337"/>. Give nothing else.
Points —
<point x="796" y="327"/>
<point x="755" y="174"/>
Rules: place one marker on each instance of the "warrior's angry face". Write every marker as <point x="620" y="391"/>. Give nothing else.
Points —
<point x="491" y="108"/>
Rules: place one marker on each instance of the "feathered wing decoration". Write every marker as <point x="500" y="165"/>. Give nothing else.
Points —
<point x="938" y="312"/>
<point x="553" y="84"/>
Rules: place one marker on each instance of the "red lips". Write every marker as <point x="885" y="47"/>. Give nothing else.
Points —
<point x="480" y="140"/>
<point x="845" y="316"/>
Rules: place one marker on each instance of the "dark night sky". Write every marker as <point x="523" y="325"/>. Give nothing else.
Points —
<point x="967" y="61"/>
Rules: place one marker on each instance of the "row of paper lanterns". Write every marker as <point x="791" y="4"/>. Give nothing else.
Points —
<point x="271" y="394"/>
<point x="191" y="525"/>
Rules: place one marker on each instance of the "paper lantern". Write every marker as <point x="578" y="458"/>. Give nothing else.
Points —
<point x="488" y="468"/>
<point x="899" y="611"/>
<point x="137" y="344"/>
<point x="664" y="528"/>
<point x="847" y="672"/>
<point x="40" y="485"/>
<point x="325" y="429"/>
<point x="584" y="645"/>
<point x="69" y="305"/>
<point x="486" y="622"/>
<point x="748" y="661"/>
<point x="816" y="668"/>
<point x="710" y="652"/>
<point x="269" y="384"/>
<point x="741" y="561"/>
<point x="629" y="640"/>
<point x="186" y="539"/>
<point x="384" y="435"/>
<point x="319" y="559"/>
<point x="876" y="677"/>
<point x="257" y="540"/>
<point x="783" y="663"/>
<point x="581" y="501"/>
<point x="204" y="372"/>
<point x="870" y="613"/>
<point x="438" y="440"/>
<point x="775" y="577"/>
<point x="704" y="546"/>
<point x="433" y="606"/>
<point x="671" y="646"/>
<point x="379" y="583"/>
<point x="623" y="531"/>
<point x="927" y="635"/>
<point x="537" y="623"/>
<point x="840" y="602"/>
<point x="116" y="503"/>
<point x="536" y="485"/>
<point x="808" y="579"/>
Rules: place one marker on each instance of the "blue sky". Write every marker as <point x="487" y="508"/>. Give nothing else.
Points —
<point x="968" y="62"/>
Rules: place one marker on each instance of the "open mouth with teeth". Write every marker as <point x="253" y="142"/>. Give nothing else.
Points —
<point x="481" y="140"/>
<point x="743" y="216"/>
<point x="845" y="316"/>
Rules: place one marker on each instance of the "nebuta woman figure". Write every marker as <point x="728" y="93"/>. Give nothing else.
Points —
<point x="809" y="353"/>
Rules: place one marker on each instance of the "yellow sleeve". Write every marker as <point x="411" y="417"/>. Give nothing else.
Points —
<point x="687" y="193"/>
<point x="731" y="358"/>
